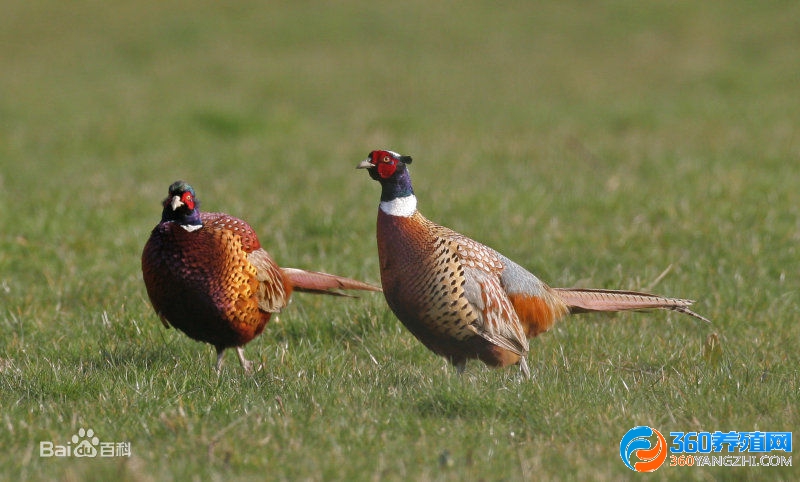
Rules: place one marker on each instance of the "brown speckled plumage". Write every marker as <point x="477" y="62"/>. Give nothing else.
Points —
<point x="426" y="271"/>
<point x="464" y="300"/>
<point x="207" y="275"/>
<point x="208" y="285"/>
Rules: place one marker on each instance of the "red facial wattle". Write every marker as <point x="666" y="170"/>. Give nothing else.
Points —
<point x="188" y="200"/>
<point x="385" y="163"/>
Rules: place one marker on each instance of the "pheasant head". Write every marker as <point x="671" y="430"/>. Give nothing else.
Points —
<point x="181" y="205"/>
<point x="391" y="170"/>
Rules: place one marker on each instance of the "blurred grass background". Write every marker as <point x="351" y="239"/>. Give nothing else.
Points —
<point x="597" y="144"/>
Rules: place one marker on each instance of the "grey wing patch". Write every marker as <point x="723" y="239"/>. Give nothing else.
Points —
<point x="517" y="279"/>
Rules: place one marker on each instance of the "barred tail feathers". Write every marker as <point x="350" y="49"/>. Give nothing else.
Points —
<point x="324" y="283"/>
<point x="592" y="300"/>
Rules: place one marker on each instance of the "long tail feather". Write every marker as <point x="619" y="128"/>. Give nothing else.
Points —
<point x="588" y="300"/>
<point x="324" y="283"/>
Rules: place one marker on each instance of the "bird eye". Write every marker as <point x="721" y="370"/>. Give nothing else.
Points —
<point x="387" y="159"/>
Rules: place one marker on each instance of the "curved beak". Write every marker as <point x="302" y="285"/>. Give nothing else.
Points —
<point x="176" y="202"/>
<point x="365" y="164"/>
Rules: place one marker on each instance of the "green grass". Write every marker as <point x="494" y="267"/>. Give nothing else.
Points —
<point x="596" y="144"/>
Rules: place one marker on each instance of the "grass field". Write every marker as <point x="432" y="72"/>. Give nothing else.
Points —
<point x="597" y="144"/>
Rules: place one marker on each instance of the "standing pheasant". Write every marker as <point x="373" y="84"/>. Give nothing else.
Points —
<point x="207" y="275"/>
<point x="464" y="300"/>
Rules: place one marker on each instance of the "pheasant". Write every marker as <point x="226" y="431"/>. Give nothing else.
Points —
<point x="207" y="275"/>
<point x="464" y="300"/>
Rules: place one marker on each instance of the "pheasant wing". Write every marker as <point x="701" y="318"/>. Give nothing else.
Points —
<point x="273" y="293"/>
<point x="497" y="321"/>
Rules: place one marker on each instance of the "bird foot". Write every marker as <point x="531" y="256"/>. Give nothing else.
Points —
<point x="247" y="365"/>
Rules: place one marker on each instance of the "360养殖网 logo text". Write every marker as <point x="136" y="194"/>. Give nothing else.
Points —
<point x="644" y="449"/>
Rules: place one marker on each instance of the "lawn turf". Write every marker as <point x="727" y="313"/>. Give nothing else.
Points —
<point x="599" y="145"/>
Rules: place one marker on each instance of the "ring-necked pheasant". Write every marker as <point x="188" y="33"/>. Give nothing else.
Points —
<point x="464" y="300"/>
<point x="207" y="275"/>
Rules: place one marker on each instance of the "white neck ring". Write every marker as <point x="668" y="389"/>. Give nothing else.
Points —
<point x="402" y="206"/>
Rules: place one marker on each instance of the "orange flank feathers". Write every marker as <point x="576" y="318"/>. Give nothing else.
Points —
<point x="535" y="314"/>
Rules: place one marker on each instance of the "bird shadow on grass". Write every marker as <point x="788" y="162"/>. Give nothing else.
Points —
<point x="140" y="357"/>
<point x="439" y="405"/>
<point x="465" y="397"/>
<point x="344" y="327"/>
